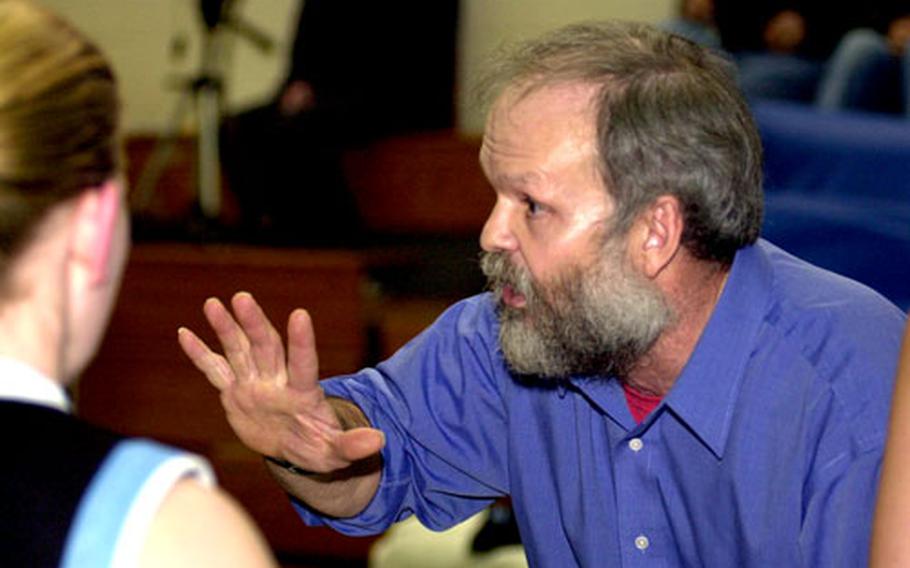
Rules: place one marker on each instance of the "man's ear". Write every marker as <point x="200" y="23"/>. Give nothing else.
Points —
<point x="656" y="235"/>
<point x="95" y="223"/>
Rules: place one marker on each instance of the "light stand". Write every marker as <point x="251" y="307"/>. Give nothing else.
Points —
<point x="209" y="90"/>
<point x="206" y="91"/>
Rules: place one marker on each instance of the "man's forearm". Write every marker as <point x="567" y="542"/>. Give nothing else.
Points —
<point x="341" y="493"/>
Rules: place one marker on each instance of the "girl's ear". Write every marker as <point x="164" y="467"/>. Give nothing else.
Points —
<point x="95" y="225"/>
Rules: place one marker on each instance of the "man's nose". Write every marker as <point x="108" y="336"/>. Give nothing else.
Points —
<point x="497" y="234"/>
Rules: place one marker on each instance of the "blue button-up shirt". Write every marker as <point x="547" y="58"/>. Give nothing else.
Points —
<point x="764" y="453"/>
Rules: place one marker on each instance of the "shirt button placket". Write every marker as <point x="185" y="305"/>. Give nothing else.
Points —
<point x="641" y="541"/>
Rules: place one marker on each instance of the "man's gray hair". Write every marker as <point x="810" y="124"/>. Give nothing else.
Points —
<point x="670" y="121"/>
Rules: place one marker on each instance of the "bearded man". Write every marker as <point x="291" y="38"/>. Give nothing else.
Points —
<point x="647" y="380"/>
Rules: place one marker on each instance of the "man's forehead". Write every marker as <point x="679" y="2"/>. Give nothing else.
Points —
<point x="554" y="121"/>
<point x="546" y="108"/>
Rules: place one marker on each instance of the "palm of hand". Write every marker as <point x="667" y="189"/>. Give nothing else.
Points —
<point x="281" y="421"/>
<point x="274" y="404"/>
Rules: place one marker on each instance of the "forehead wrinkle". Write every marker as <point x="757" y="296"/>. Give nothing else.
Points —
<point x="491" y="161"/>
<point x="513" y="155"/>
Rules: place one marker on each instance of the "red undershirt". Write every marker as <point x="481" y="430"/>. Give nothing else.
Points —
<point x="640" y="404"/>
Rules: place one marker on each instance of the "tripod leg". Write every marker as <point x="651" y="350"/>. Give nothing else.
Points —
<point x="209" y="173"/>
<point x="160" y="157"/>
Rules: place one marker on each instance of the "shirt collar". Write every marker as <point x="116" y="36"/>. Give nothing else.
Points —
<point x="23" y="383"/>
<point x="705" y="394"/>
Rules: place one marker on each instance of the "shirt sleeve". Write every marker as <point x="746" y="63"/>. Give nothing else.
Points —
<point x="439" y="401"/>
<point x="851" y="341"/>
<point x="844" y="451"/>
<point x="838" y="523"/>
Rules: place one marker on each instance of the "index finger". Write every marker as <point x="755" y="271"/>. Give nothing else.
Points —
<point x="212" y="365"/>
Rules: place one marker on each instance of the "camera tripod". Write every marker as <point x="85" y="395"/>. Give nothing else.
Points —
<point x="205" y="94"/>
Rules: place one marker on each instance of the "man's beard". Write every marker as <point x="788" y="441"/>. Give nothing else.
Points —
<point x="595" y="321"/>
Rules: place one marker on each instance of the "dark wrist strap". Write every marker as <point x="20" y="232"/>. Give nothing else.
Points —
<point x="288" y="466"/>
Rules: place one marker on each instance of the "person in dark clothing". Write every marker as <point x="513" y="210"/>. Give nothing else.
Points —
<point x="358" y="71"/>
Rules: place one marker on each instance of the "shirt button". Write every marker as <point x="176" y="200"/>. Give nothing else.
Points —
<point x="642" y="542"/>
<point x="635" y="444"/>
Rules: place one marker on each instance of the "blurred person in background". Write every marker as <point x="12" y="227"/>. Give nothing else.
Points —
<point x="870" y="70"/>
<point x="780" y="47"/>
<point x="358" y="71"/>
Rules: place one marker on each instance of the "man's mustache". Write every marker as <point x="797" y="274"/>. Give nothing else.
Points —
<point x="498" y="270"/>
<point x="501" y="272"/>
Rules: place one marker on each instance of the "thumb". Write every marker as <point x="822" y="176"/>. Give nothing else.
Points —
<point x="359" y="443"/>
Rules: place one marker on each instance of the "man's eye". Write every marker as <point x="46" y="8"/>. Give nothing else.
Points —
<point x="533" y="207"/>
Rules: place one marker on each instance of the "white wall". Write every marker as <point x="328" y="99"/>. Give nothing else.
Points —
<point x="486" y="24"/>
<point x="139" y="37"/>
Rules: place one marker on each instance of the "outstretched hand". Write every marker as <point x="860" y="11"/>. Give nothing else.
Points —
<point x="274" y="402"/>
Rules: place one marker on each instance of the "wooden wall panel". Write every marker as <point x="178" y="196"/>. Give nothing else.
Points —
<point x="424" y="183"/>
